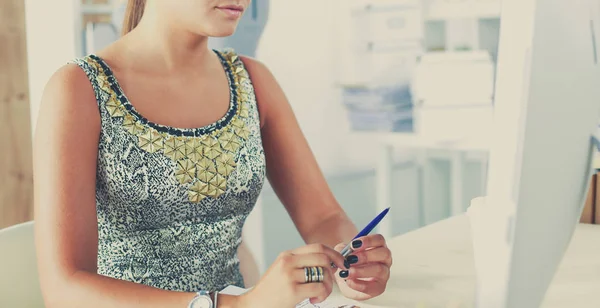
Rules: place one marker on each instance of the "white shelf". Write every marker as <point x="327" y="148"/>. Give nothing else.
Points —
<point x="416" y="141"/>
<point x="96" y="9"/>
<point x="456" y="9"/>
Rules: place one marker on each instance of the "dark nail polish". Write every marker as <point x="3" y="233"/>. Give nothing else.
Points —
<point x="333" y="265"/>
<point x="352" y="259"/>
<point x="356" y="244"/>
<point x="346" y="264"/>
<point x="344" y="274"/>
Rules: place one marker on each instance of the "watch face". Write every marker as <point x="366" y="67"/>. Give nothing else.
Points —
<point x="201" y="302"/>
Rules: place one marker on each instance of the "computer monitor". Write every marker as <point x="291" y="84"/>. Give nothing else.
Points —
<point x="547" y="107"/>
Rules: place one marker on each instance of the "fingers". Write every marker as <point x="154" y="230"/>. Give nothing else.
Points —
<point x="289" y="273"/>
<point x="373" y="288"/>
<point x="294" y="265"/>
<point x="316" y="259"/>
<point x="317" y="292"/>
<point x="333" y="255"/>
<point x="299" y="276"/>
<point x="375" y="255"/>
<point x="368" y="242"/>
<point x="377" y="271"/>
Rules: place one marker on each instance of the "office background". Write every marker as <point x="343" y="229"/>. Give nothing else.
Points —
<point x="358" y="74"/>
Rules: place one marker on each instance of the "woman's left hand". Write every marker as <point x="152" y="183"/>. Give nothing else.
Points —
<point x="369" y="272"/>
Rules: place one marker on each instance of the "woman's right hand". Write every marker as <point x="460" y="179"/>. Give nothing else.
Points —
<point x="283" y="285"/>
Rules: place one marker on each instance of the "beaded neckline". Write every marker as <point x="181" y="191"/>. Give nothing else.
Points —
<point x="175" y="131"/>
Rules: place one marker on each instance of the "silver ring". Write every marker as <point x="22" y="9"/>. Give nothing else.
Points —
<point x="313" y="274"/>
<point x="317" y="274"/>
<point x="314" y="277"/>
<point x="320" y="274"/>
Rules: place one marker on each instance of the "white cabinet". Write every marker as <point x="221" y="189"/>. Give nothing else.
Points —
<point x="383" y="63"/>
<point x="454" y="93"/>
<point x="388" y="23"/>
<point x="454" y="78"/>
<point x="381" y="41"/>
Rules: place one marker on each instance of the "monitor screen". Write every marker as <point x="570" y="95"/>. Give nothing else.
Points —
<point x="547" y="106"/>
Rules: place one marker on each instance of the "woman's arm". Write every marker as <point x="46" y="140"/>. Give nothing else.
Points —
<point x="300" y="185"/>
<point x="65" y="161"/>
<point x="292" y="168"/>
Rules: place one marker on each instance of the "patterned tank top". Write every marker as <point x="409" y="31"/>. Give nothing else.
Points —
<point x="171" y="202"/>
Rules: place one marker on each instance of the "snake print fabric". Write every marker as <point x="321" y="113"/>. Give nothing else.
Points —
<point x="154" y="227"/>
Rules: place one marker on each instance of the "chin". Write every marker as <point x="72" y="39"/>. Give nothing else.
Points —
<point x="222" y="30"/>
<point x="222" y="33"/>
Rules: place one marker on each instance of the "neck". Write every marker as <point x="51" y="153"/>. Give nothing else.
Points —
<point x="168" y="47"/>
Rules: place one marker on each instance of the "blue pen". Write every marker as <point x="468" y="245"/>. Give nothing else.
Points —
<point x="348" y="249"/>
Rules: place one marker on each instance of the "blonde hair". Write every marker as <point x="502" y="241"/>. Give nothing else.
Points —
<point x="133" y="15"/>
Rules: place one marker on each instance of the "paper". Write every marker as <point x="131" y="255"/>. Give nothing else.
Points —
<point x="328" y="303"/>
<point x="233" y="290"/>
<point x="332" y="302"/>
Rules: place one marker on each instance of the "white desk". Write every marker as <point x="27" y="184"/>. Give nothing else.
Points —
<point x="597" y="161"/>
<point x="433" y="267"/>
<point x="458" y="149"/>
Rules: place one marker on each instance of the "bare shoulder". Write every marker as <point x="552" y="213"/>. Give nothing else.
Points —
<point x="255" y="66"/>
<point x="69" y="91"/>
<point x="269" y="94"/>
<point x="261" y="76"/>
<point x="69" y="85"/>
<point x="68" y="102"/>
<point x="65" y="152"/>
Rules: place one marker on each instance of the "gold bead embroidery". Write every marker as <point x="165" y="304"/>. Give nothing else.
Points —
<point x="244" y="95"/>
<point x="95" y="65"/>
<point x="132" y="126"/>
<point x="151" y="141"/>
<point x="186" y="146"/>
<point x="243" y="132"/>
<point x="103" y="82"/>
<point x="242" y="80"/>
<point x="114" y="107"/>
<point x="243" y="111"/>
<point x="225" y="165"/>
<point x="229" y="141"/>
<point x="203" y="162"/>
<point x="238" y="123"/>
<point x="196" y="149"/>
<point x="198" y="192"/>
<point x="186" y="171"/>
<point x="206" y="170"/>
<point x="217" y="186"/>
<point x="174" y="149"/>
<point x="212" y="149"/>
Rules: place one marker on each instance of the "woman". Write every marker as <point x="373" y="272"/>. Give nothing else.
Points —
<point x="133" y="213"/>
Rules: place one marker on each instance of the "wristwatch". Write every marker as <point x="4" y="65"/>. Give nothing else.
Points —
<point x="202" y="300"/>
